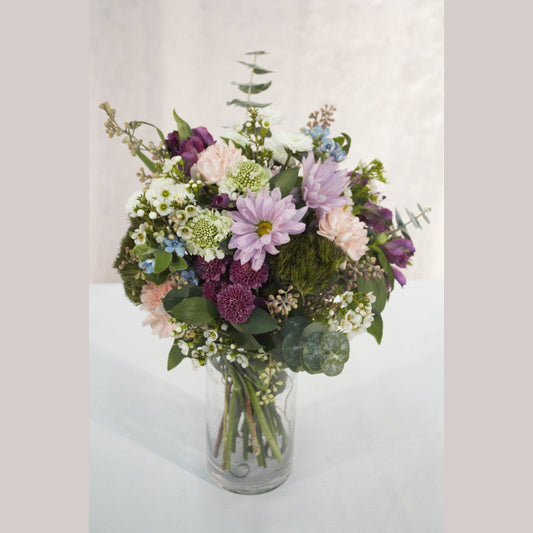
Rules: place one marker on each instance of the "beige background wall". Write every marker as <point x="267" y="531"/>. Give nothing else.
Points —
<point x="379" y="62"/>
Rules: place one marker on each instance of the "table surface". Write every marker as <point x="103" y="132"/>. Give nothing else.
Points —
<point x="368" y="452"/>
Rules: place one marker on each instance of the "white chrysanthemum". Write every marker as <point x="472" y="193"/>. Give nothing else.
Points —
<point x="132" y="204"/>
<point x="234" y="134"/>
<point x="295" y="142"/>
<point x="279" y="153"/>
<point x="163" y="192"/>
<point x="271" y="116"/>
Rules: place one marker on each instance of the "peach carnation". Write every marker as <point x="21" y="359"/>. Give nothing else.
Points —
<point x="346" y="231"/>
<point x="216" y="160"/>
<point x="151" y="296"/>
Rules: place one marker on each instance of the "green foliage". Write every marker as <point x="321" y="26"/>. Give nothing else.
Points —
<point x="176" y="295"/>
<point x="376" y="328"/>
<point x="196" y="310"/>
<point x="128" y="268"/>
<point x="286" y="181"/>
<point x="413" y="219"/>
<point x="248" y="103"/>
<point x="259" y="322"/>
<point x="255" y="68"/>
<point x="311" y="347"/>
<point x="162" y="261"/>
<point x="345" y="142"/>
<point x="308" y="261"/>
<point x="384" y="262"/>
<point x="250" y="87"/>
<point x="378" y="286"/>
<point x="244" y="340"/>
<point x="175" y="356"/>
<point x="184" y="130"/>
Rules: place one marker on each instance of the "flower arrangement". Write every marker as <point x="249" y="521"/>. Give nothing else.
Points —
<point x="259" y="252"/>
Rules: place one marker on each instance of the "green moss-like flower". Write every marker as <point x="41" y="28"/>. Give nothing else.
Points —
<point x="245" y="175"/>
<point x="308" y="261"/>
<point x="128" y="267"/>
<point x="207" y="230"/>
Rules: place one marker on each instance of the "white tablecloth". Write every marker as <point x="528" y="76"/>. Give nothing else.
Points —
<point x="368" y="449"/>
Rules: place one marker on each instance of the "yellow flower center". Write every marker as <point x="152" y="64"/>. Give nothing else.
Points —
<point x="264" y="228"/>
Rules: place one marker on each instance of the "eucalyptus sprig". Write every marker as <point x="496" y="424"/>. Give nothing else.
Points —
<point x="250" y="87"/>
<point x="401" y="226"/>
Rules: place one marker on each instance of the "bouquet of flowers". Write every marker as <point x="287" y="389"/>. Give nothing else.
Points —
<point x="260" y="254"/>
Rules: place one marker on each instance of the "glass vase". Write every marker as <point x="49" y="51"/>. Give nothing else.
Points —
<point x="250" y="424"/>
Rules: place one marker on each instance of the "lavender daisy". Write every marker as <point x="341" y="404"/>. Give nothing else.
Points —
<point x="323" y="184"/>
<point x="261" y="223"/>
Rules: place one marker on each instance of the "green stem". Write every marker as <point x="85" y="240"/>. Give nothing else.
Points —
<point x="225" y="425"/>
<point x="229" y="435"/>
<point x="262" y="422"/>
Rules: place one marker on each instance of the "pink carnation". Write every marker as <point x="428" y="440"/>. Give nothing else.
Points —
<point x="216" y="160"/>
<point x="346" y="231"/>
<point x="151" y="296"/>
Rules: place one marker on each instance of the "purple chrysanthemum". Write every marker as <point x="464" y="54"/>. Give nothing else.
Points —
<point x="323" y="184"/>
<point x="235" y="303"/>
<point x="246" y="276"/>
<point x="210" y="270"/>
<point x="211" y="288"/>
<point x="261" y="223"/>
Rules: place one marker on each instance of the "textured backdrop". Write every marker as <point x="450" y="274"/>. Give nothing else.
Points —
<point x="379" y="62"/>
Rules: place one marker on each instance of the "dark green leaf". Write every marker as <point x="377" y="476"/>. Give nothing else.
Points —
<point x="158" y="279"/>
<point x="286" y="180"/>
<point x="178" y="264"/>
<point x="184" y="130"/>
<point x="252" y="88"/>
<point x="175" y="296"/>
<point x="385" y="265"/>
<point x="197" y="310"/>
<point x="314" y="327"/>
<point x="175" y="357"/>
<point x="242" y="103"/>
<point x="259" y="322"/>
<point x="162" y="260"/>
<point x="378" y="288"/>
<point x="292" y="350"/>
<point x="348" y="144"/>
<point x="245" y="340"/>
<point x="141" y="250"/>
<point x="149" y="164"/>
<point x="159" y="132"/>
<point x="256" y="69"/>
<point x="376" y="328"/>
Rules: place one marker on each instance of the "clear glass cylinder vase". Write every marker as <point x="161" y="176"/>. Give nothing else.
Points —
<point x="250" y="416"/>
